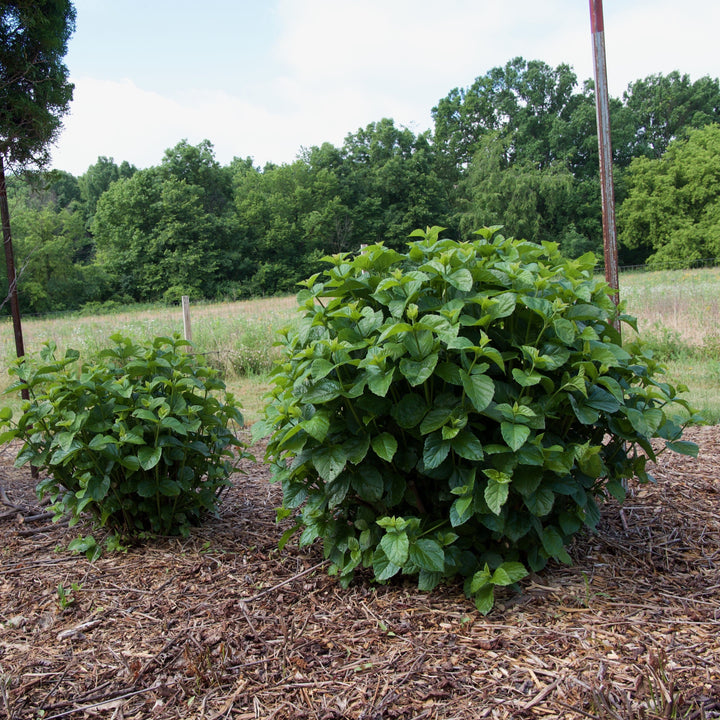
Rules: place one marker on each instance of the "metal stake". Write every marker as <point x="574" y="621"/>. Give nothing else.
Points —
<point x="602" y="104"/>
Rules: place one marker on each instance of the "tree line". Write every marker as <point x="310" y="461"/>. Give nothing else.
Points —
<point x="517" y="148"/>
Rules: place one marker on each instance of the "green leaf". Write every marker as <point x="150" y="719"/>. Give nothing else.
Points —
<point x="496" y="495"/>
<point x="501" y="305"/>
<point x="396" y="547"/>
<point x="553" y="545"/>
<point x="461" y="279"/>
<point x="131" y="462"/>
<point x="379" y="383"/>
<point x="410" y="411"/>
<point x="100" y="442"/>
<point x="370" y="321"/>
<point x="637" y="420"/>
<point x="552" y="541"/>
<point x="385" y="446"/>
<point x="467" y="446"/>
<point x="435" y="450"/>
<point x="683" y="447"/>
<point x="322" y="368"/>
<point x="514" y="434"/>
<point x="82" y="544"/>
<point x="356" y="448"/>
<point x="583" y="311"/>
<point x="538" y="305"/>
<point x="616" y="489"/>
<point x="7" y="436"/>
<point x="427" y="555"/>
<point x="508" y="573"/>
<point x="485" y="599"/>
<point x="147" y="487"/>
<point x="526" y="378"/>
<point x="428" y="581"/>
<point x="552" y="357"/>
<point x="329" y="461"/>
<point x="168" y="487"/>
<point x="565" y="330"/>
<point x="382" y="567"/>
<point x="172" y="423"/>
<point x="479" y="580"/>
<point x="435" y="419"/>
<point x="337" y="489"/>
<point x="449" y="372"/>
<point x="600" y="399"/>
<point x="461" y="510"/>
<point x="148" y="456"/>
<point x="541" y="502"/>
<point x="322" y="391"/>
<point x="147" y="415"/>
<point x="586" y="415"/>
<point x="317" y="426"/>
<point x="418" y="371"/>
<point x="479" y="388"/>
<point x="570" y="523"/>
<point x="368" y="484"/>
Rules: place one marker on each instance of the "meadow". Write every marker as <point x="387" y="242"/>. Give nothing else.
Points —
<point x="678" y="316"/>
<point x="677" y="311"/>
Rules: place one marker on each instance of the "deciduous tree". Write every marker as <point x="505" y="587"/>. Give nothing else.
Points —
<point x="673" y="204"/>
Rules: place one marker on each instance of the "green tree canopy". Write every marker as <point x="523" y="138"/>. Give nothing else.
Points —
<point x="665" y="107"/>
<point x="673" y="204"/>
<point x="98" y="178"/>
<point x="152" y="234"/>
<point x="196" y="165"/>
<point x="527" y="103"/>
<point x="527" y="200"/>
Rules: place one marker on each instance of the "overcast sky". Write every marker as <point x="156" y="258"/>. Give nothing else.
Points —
<point x="263" y="78"/>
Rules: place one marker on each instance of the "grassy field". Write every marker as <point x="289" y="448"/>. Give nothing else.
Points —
<point x="677" y="311"/>
<point x="238" y="338"/>
<point x="679" y="317"/>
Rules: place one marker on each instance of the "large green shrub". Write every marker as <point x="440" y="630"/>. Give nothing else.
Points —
<point x="459" y="409"/>
<point x="139" y="440"/>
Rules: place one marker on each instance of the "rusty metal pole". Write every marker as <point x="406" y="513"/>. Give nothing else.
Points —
<point x="12" y="282"/>
<point x="10" y="265"/>
<point x="602" y="104"/>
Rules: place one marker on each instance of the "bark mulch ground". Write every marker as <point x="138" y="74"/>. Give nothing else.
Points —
<point x="223" y="625"/>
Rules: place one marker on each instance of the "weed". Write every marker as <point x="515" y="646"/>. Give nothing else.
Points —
<point x="66" y="596"/>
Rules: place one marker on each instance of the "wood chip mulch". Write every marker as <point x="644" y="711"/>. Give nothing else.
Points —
<point x="223" y="625"/>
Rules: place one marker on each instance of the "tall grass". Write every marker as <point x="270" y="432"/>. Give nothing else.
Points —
<point x="678" y="316"/>
<point x="237" y="338"/>
<point x="676" y="304"/>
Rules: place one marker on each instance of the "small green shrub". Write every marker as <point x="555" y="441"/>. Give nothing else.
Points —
<point x="138" y="440"/>
<point x="459" y="410"/>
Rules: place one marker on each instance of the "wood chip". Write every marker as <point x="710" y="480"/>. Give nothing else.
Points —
<point x="223" y="625"/>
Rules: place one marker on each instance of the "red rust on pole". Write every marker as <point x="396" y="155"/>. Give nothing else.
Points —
<point x="10" y="264"/>
<point x="602" y="104"/>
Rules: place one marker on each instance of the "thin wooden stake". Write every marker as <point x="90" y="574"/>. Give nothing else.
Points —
<point x="187" y="330"/>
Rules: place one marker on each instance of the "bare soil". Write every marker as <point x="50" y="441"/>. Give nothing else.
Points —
<point x="223" y="625"/>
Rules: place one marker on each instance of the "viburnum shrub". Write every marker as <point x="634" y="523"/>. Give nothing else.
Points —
<point x="459" y="410"/>
<point x="139" y="440"/>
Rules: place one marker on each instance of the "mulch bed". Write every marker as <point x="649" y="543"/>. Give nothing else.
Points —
<point x="223" y="625"/>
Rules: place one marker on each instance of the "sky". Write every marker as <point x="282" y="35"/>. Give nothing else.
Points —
<point x="266" y="78"/>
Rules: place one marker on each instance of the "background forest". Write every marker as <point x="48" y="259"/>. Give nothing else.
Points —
<point x="517" y="148"/>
